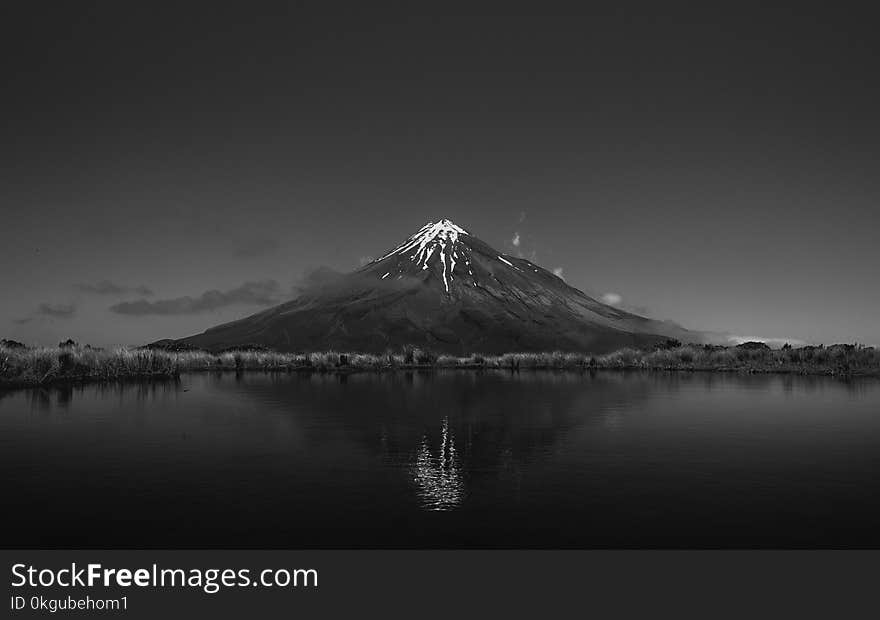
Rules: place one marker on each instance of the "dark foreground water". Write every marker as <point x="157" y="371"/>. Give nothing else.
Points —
<point x="444" y="459"/>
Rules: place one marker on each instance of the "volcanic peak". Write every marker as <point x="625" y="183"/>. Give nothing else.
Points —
<point x="441" y="237"/>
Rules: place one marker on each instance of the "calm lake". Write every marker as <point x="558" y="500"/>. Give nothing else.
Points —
<point x="444" y="459"/>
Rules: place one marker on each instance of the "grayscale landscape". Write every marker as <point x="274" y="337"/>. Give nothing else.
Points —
<point x="285" y="279"/>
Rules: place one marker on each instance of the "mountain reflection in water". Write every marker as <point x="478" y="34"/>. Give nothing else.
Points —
<point x="444" y="459"/>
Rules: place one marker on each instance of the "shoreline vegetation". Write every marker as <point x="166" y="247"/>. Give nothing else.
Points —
<point x="69" y="362"/>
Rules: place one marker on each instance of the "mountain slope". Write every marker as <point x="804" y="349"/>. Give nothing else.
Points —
<point x="446" y="290"/>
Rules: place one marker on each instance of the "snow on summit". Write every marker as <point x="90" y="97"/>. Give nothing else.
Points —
<point x="443" y="233"/>
<point x="437" y="243"/>
<point x="434" y="237"/>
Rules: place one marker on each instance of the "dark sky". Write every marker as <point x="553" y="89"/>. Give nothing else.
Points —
<point x="718" y="168"/>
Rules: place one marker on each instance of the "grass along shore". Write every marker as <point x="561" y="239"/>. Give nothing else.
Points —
<point x="25" y="366"/>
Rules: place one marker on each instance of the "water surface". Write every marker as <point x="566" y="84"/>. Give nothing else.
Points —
<point x="444" y="459"/>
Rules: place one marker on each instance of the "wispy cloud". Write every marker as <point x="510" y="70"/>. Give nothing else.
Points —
<point x="520" y="243"/>
<point x="616" y="300"/>
<point x="365" y="260"/>
<point x="58" y="311"/>
<point x="106" y="287"/>
<point x="612" y="299"/>
<point x="770" y="342"/>
<point x="558" y="272"/>
<point x="256" y="247"/>
<point x="262" y="293"/>
<point x="55" y="311"/>
<point x="315" y="279"/>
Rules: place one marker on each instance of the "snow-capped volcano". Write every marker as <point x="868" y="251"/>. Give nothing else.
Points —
<point x="447" y="290"/>
<point x="440" y="237"/>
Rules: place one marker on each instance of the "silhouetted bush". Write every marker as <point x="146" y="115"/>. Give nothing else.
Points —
<point x="754" y="346"/>
<point x="409" y="354"/>
<point x="423" y="357"/>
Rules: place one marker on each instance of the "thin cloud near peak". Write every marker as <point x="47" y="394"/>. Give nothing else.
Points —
<point x="259" y="293"/>
<point x="612" y="299"/>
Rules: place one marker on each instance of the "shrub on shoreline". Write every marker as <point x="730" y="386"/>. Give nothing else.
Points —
<point x="24" y="366"/>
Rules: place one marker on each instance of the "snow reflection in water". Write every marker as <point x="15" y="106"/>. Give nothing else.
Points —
<point x="439" y="479"/>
